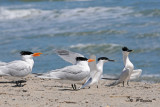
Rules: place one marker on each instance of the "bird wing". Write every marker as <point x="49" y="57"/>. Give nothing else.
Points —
<point x="87" y="83"/>
<point x="124" y="75"/>
<point x="66" y="73"/>
<point x="2" y="63"/>
<point x="15" y="68"/>
<point x="136" y="74"/>
<point x="92" y="66"/>
<point x="68" y="55"/>
<point x="4" y="71"/>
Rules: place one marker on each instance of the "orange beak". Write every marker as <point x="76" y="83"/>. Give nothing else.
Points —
<point x="36" y="54"/>
<point x="91" y="60"/>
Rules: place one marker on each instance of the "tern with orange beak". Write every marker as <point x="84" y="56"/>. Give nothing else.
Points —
<point x="18" y="69"/>
<point x="74" y="74"/>
<point x="96" y="71"/>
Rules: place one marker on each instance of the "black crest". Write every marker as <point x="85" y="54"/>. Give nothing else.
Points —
<point x="25" y="53"/>
<point x="81" y="59"/>
<point x="126" y="49"/>
<point x="103" y="58"/>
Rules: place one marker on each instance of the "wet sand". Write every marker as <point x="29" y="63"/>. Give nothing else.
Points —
<point x="38" y="92"/>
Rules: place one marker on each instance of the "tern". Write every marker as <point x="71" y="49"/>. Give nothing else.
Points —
<point x="128" y="68"/>
<point x="72" y="74"/>
<point x="96" y="71"/>
<point x="136" y="73"/>
<point x="17" y="69"/>
<point x="2" y="63"/>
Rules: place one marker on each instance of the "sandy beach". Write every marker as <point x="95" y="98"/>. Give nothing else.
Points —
<point x="38" y="92"/>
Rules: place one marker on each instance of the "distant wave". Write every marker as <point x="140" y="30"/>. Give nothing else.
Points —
<point x="149" y="13"/>
<point x="85" y="33"/>
<point x="97" y="48"/>
<point x="147" y="49"/>
<point x="150" y="78"/>
<point x="148" y="35"/>
<point x="143" y="78"/>
<point x="86" y="48"/>
<point x="6" y="14"/>
<point x="65" y="14"/>
<point x="70" y="0"/>
<point x="109" y="48"/>
<point x="75" y="0"/>
<point x="69" y="14"/>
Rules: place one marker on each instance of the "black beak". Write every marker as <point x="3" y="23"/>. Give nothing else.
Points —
<point x="130" y="50"/>
<point x="111" y="60"/>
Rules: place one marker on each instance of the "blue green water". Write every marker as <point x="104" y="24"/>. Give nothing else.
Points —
<point x="99" y="27"/>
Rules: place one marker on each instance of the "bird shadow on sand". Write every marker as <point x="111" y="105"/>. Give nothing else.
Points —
<point x="6" y="82"/>
<point x="19" y="86"/>
<point x="52" y="86"/>
<point x="67" y="89"/>
<point x="13" y="82"/>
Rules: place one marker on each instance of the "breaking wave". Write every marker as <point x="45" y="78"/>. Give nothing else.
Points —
<point x="69" y="14"/>
<point x="143" y="78"/>
<point x="150" y="78"/>
<point x="149" y="13"/>
<point x="149" y="35"/>
<point x="6" y="14"/>
<point x="97" y="48"/>
<point x="65" y="14"/>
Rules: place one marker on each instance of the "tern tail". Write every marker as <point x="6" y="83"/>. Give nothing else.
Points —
<point x="87" y="83"/>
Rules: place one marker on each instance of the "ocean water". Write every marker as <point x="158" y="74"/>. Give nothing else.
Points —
<point x="100" y="27"/>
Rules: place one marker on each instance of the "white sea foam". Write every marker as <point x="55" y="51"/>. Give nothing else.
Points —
<point x="152" y="78"/>
<point x="65" y="14"/>
<point x="89" y="45"/>
<point x="151" y="75"/>
<point x="98" y="48"/>
<point x="81" y="45"/>
<point x="6" y="14"/>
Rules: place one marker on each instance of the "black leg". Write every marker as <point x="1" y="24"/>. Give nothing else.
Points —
<point x="97" y="86"/>
<point x="128" y="83"/>
<point x="72" y="86"/>
<point x="123" y="83"/>
<point x="75" y="87"/>
<point x="89" y="87"/>
<point x="17" y="83"/>
<point x="20" y="83"/>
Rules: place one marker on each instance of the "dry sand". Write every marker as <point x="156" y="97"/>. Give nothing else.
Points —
<point x="47" y="93"/>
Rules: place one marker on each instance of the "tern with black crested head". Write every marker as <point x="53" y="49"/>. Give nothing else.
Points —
<point x="128" y="68"/>
<point x="72" y="74"/>
<point x="96" y="71"/>
<point x="18" y="69"/>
